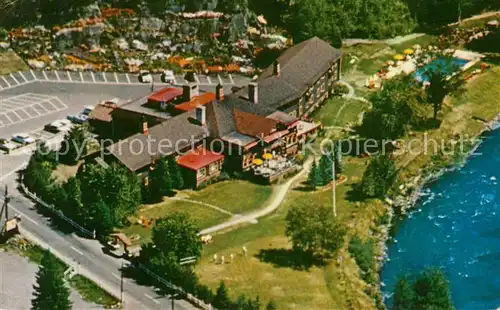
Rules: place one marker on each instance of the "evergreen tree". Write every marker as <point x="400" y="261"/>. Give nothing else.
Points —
<point x="160" y="181"/>
<point x="314" y="177"/>
<point x="51" y="293"/>
<point x="222" y="299"/>
<point x="404" y="295"/>
<point x="326" y="164"/>
<point x="175" y="173"/>
<point x="432" y="291"/>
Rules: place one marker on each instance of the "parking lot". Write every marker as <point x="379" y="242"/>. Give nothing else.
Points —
<point x="29" y="100"/>
<point x="28" y="106"/>
<point x="17" y="79"/>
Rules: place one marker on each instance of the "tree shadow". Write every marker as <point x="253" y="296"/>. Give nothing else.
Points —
<point x="289" y="258"/>
<point x="355" y="194"/>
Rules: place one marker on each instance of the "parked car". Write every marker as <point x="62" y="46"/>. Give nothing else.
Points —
<point x="7" y="146"/>
<point x="23" y="138"/>
<point x="168" y="77"/>
<point x="145" y="77"/>
<point x="61" y="125"/>
<point x="78" y="119"/>
<point x="88" y="109"/>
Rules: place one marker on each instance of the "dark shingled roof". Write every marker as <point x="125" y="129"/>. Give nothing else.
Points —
<point x="163" y="139"/>
<point x="301" y="65"/>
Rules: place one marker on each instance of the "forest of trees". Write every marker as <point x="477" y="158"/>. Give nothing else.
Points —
<point x="331" y="20"/>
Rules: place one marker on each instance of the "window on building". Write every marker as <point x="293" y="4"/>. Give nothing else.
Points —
<point x="202" y="172"/>
<point x="213" y="168"/>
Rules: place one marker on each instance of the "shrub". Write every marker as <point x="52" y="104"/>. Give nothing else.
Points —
<point x="363" y="254"/>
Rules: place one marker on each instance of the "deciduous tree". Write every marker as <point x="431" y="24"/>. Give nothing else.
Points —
<point x="378" y="177"/>
<point x="314" y="229"/>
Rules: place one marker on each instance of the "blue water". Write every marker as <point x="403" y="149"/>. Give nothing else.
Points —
<point x="456" y="226"/>
<point x="456" y="63"/>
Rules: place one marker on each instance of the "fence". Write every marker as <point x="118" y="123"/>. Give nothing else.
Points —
<point x="189" y="297"/>
<point x="57" y="212"/>
<point x="92" y="234"/>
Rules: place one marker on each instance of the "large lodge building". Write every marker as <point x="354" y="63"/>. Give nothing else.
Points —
<point x="258" y="129"/>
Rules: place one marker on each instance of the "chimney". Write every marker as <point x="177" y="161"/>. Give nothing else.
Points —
<point x="201" y="114"/>
<point x="276" y="68"/>
<point x="219" y="92"/>
<point x="253" y="92"/>
<point x="145" y="129"/>
<point x="189" y="91"/>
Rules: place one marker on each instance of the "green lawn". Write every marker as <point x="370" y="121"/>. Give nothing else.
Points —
<point x="10" y="62"/>
<point x="90" y="292"/>
<point x="234" y="196"/>
<point x="329" y="114"/>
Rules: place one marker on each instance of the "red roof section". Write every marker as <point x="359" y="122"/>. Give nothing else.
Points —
<point x="199" y="158"/>
<point x="165" y="95"/>
<point x="203" y="99"/>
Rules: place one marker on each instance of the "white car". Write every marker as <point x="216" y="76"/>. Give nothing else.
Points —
<point x="23" y="138"/>
<point x="168" y="77"/>
<point x="145" y="77"/>
<point x="8" y="146"/>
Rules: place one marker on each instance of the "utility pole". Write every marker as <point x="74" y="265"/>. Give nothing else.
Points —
<point x="172" y="298"/>
<point x="334" y="189"/>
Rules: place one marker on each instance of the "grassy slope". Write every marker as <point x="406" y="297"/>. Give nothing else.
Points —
<point x="10" y="62"/>
<point x="233" y="196"/>
<point x="329" y="114"/>
<point x="273" y="277"/>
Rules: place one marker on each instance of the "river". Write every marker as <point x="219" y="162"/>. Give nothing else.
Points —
<point x="455" y="226"/>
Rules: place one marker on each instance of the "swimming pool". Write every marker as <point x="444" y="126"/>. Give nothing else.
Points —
<point x="457" y="63"/>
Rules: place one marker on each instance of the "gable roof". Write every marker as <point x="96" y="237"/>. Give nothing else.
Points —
<point x="164" y="139"/>
<point x="253" y="125"/>
<point x="300" y="66"/>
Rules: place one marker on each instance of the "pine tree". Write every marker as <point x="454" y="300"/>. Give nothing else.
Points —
<point x="222" y="299"/>
<point x="314" y="178"/>
<point x="160" y="181"/>
<point x="175" y="173"/>
<point x="51" y="293"/>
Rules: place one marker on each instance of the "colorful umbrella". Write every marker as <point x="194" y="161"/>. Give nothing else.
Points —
<point x="408" y="51"/>
<point x="398" y="57"/>
<point x="258" y="162"/>
<point x="267" y="156"/>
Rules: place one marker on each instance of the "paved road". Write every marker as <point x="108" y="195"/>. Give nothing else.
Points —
<point x="87" y="254"/>
<point x="277" y="198"/>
